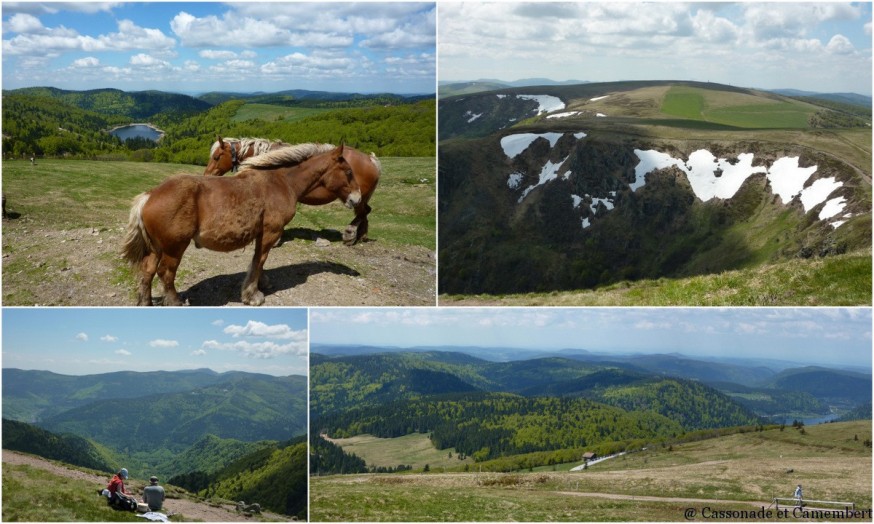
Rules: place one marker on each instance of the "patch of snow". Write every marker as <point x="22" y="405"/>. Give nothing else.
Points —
<point x="513" y="145"/>
<point x="832" y="208"/>
<point x="547" y="103"/>
<point x="598" y="98"/>
<point x="501" y="96"/>
<point x="650" y="160"/>
<point x="817" y="192"/>
<point x="564" y="115"/>
<point x="579" y="135"/>
<point x="701" y="172"/>
<point x="577" y="200"/>
<point x="600" y="115"/>
<point x="838" y="223"/>
<point x="514" y="180"/>
<point x="473" y="116"/>
<point x="549" y="172"/>
<point x="787" y="179"/>
<point x="586" y="223"/>
<point x="607" y="203"/>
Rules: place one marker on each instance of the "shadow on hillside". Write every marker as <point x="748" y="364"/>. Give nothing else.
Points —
<point x="221" y="290"/>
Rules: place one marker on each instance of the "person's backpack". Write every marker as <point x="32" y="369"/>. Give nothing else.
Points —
<point x="124" y="503"/>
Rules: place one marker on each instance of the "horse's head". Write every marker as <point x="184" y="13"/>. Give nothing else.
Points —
<point x="222" y="158"/>
<point x="338" y="179"/>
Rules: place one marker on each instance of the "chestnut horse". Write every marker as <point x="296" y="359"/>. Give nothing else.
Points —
<point x="227" y="154"/>
<point x="225" y="214"/>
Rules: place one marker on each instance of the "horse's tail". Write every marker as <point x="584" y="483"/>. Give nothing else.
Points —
<point x="137" y="244"/>
<point x="376" y="163"/>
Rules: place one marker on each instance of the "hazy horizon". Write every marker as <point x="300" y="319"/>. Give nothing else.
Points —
<point x="823" y="336"/>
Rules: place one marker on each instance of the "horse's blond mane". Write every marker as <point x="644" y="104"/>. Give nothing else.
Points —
<point x="287" y="156"/>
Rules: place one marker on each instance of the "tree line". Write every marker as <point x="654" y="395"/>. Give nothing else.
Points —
<point x="45" y="126"/>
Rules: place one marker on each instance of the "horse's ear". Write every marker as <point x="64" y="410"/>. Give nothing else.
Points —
<point x="218" y="138"/>
<point x="339" y="149"/>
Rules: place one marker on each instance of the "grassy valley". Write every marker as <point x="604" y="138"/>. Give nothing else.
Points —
<point x="226" y="436"/>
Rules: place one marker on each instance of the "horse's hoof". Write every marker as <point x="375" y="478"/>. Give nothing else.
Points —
<point x="171" y="301"/>
<point x="350" y="235"/>
<point x="256" y="299"/>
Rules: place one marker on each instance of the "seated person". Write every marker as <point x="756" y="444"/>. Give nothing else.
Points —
<point x="153" y="495"/>
<point x="118" y="496"/>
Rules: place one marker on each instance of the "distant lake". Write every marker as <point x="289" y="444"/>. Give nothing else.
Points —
<point x="777" y="419"/>
<point x="137" y="131"/>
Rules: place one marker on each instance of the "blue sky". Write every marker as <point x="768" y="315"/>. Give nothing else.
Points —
<point x="80" y="341"/>
<point x="196" y="47"/>
<point x="822" y="47"/>
<point x="834" y="336"/>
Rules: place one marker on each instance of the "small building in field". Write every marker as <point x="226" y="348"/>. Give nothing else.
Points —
<point x="590" y="455"/>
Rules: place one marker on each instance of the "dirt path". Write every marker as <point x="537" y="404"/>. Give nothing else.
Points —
<point x="191" y="510"/>
<point x="82" y="267"/>
<point x="645" y="498"/>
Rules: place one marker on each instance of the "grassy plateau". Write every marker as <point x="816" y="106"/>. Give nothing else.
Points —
<point x="741" y="472"/>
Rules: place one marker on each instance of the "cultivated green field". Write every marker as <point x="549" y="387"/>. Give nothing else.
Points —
<point x="734" y="109"/>
<point x="738" y="472"/>
<point x="271" y="113"/>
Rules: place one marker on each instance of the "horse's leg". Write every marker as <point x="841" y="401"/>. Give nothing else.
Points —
<point x="167" y="267"/>
<point x="255" y="277"/>
<point x="148" y="267"/>
<point x="357" y="229"/>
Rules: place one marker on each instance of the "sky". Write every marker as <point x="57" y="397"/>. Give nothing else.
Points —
<point x="83" y="341"/>
<point x="828" y="336"/>
<point x="197" y="47"/>
<point x="822" y="47"/>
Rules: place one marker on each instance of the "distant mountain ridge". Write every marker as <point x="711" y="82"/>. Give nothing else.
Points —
<point x="133" y="104"/>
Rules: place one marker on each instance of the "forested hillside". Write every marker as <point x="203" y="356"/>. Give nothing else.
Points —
<point x="71" y="449"/>
<point x="250" y="409"/>
<point x="51" y="122"/>
<point x="274" y="476"/>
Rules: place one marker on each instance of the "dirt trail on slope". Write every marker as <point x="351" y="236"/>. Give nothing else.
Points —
<point x="189" y="509"/>
<point x="645" y="498"/>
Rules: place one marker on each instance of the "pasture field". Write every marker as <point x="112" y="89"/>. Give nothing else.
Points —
<point x="272" y="113"/>
<point x="737" y="472"/>
<point x="62" y="241"/>
<point x="414" y="450"/>
<point x="735" y="109"/>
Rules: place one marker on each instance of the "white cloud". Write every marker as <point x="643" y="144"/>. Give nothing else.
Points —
<point x="23" y="23"/>
<point x="123" y="352"/>
<point x="109" y="338"/>
<point x="253" y="328"/>
<point x="218" y="322"/>
<point x="162" y="343"/>
<point x="198" y="352"/>
<point x="213" y="54"/>
<point x="840" y="45"/>
<point x="82" y="336"/>
<point x="51" y="41"/>
<point x="259" y="350"/>
<point x="85" y="63"/>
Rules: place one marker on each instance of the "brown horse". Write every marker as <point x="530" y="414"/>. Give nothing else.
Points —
<point x="225" y="214"/>
<point x="227" y="154"/>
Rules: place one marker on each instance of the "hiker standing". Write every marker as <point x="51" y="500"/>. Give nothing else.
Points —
<point x="797" y="495"/>
<point x="153" y="494"/>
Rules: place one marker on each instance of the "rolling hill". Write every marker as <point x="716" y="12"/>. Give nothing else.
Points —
<point x="555" y="188"/>
<point x="71" y="449"/>
<point x="131" y="104"/>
